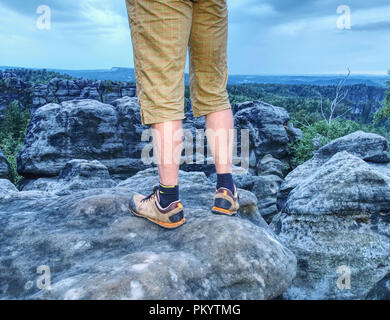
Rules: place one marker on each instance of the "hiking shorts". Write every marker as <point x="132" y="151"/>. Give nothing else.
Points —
<point x="161" y="32"/>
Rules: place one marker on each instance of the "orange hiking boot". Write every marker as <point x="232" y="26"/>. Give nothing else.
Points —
<point x="225" y="202"/>
<point x="149" y="208"/>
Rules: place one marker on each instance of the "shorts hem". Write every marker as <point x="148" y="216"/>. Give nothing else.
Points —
<point x="205" y="112"/>
<point x="148" y="119"/>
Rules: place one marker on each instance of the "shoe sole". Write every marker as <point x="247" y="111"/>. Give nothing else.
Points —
<point x="223" y="211"/>
<point x="165" y="225"/>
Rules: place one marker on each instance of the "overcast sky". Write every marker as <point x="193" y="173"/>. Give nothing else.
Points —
<point x="265" y="36"/>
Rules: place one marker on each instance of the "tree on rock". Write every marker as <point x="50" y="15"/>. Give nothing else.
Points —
<point x="384" y="113"/>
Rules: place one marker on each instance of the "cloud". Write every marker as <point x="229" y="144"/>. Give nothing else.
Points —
<point x="265" y="36"/>
<point x="374" y="26"/>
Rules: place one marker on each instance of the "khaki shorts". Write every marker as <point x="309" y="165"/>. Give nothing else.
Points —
<point x="161" y="32"/>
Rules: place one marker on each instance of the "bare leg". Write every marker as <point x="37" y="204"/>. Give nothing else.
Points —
<point x="220" y="139"/>
<point x="167" y="139"/>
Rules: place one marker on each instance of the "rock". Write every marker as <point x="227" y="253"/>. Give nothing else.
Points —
<point x="113" y="134"/>
<point x="83" y="129"/>
<point x="367" y="146"/>
<point x="6" y="187"/>
<point x="372" y="148"/>
<point x="13" y="88"/>
<point x="75" y="176"/>
<point x="268" y="165"/>
<point x="269" y="131"/>
<point x="266" y="188"/>
<point x="381" y="291"/>
<point x="5" y="168"/>
<point x="336" y="220"/>
<point x="96" y="249"/>
<point x="343" y="185"/>
<point x="60" y="90"/>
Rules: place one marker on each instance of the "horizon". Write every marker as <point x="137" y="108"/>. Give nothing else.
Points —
<point x="334" y="74"/>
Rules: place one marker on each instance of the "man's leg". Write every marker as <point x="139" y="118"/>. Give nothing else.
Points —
<point x="160" y="33"/>
<point x="167" y="141"/>
<point x="208" y="79"/>
<point x="219" y="131"/>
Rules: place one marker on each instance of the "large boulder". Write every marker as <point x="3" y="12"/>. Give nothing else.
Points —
<point x="269" y="129"/>
<point x="372" y="148"/>
<point x="335" y="212"/>
<point x="83" y="129"/>
<point x="367" y="146"/>
<point x="96" y="249"/>
<point x="5" y="168"/>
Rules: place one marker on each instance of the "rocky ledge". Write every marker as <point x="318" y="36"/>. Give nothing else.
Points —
<point x="96" y="249"/>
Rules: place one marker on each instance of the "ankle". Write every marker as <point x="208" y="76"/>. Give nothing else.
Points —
<point x="167" y="194"/>
<point x="225" y="180"/>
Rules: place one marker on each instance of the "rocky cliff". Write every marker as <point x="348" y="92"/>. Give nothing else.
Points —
<point x="60" y="90"/>
<point x="12" y="88"/>
<point x="35" y="95"/>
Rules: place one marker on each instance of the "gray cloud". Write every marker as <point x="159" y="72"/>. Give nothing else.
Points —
<point x="375" y="26"/>
<point x="260" y="37"/>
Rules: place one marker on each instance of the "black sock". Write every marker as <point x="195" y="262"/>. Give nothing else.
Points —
<point x="225" y="180"/>
<point x="168" y="194"/>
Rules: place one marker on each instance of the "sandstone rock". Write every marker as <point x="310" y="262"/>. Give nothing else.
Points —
<point x="111" y="134"/>
<point x="266" y="188"/>
<point x="96" y="249"/>
<point x="336" y="218"/>
<point x="60" y="90"/>
<point x="367" y="146"/>
<point x="76" y="175"/>
<point x="83" y="129"/>
<point x="268" y="127"/>
<point x="343" y="185"/>
<point x="372" y="148"/>
<point x="381" y="291"/>
<point x="6" y="187"/>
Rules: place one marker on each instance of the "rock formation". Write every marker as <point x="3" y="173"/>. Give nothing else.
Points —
<point x="83" y="129"/>
<point x="96" y="249"/>
<point x="60" y="90"/>
<point x="335" y="213"/>
<point x="89" y="129"/>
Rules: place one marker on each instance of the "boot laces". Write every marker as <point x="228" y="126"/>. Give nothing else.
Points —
<point x="151" y="195"/>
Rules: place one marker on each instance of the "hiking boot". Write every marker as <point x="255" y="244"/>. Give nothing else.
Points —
<point x="225" y="202"/>
<point x="149" y="208"/>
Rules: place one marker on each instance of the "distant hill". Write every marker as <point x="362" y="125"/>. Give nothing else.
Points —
<point x="127" y="74"/>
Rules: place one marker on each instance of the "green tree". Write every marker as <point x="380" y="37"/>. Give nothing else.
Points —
<point x="384" y="112"/>
<point x="13" y="128"/>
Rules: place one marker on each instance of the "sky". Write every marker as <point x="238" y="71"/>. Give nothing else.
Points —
<point x="265" y="36"/>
